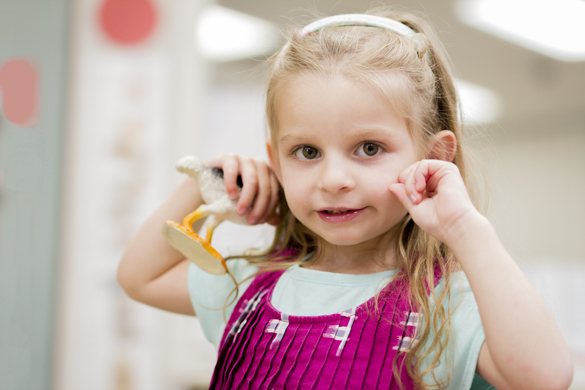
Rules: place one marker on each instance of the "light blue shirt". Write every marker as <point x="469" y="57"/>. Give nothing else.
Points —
<point x="306" y="292"/>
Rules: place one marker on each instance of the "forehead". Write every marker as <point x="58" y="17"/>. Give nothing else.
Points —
<point x="334" y="104"/>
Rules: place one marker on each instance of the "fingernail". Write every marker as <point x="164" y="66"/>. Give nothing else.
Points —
<point x="241" y="210"/>
<point x="413" y="198"/>
<point x="234" y="194"/>
<point x="252" y="221"/>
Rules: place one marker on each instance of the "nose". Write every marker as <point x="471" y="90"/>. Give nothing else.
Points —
<point x="336" y="176"/>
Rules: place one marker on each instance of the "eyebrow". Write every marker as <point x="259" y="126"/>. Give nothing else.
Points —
<point x="368" y="133"/>
<point x="374" y="133"/>
<point x="290" y="137"/>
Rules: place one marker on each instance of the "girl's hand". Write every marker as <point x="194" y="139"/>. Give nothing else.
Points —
<point x="259" y="194"/>
<point x="434" y="194"/>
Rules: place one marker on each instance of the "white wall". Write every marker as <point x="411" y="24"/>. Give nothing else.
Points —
<point x="536" y="169"/>
<point x="133" y="112"/>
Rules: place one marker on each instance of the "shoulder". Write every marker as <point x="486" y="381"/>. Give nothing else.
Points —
<point x="208" y="289"/>
<point x="459" y="296"/>
<point x="209" y="294"/>
<point x="458" y="283"/>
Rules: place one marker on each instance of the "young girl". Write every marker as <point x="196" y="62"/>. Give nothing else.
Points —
<point x="382" y="273"/>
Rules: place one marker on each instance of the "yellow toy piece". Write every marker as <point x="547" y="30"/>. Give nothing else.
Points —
<point x="194" y="248"/>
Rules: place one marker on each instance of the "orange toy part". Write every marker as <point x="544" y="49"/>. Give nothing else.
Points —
<point x="194" y="248"/>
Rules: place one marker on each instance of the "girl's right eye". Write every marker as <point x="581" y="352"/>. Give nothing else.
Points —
<point x="306" y="153"/>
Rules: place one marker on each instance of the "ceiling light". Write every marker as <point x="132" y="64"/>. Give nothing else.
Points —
<point x="555" y="28"/>
<point x="478" y="104"/>
<point x="223" y="34"/>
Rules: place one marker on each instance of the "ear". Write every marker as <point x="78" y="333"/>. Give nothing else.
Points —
<point x="273" y="161"/>
<point x="443" y="146"/>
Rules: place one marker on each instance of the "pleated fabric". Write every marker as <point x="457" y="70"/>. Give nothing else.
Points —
<point x="263" y="348"/>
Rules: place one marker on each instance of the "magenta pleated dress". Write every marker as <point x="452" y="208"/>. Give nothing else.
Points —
<point x="263" y="348"/>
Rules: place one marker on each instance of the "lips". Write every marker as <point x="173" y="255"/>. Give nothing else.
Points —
<point x="339" y="214"/>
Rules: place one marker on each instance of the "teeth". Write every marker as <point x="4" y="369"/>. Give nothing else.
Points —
<point x="336" y="211"/>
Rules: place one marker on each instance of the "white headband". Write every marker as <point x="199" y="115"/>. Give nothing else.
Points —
<point x="365" y="21"/>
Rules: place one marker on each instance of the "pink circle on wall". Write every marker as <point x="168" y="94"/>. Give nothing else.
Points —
<point x="19" y="91"/>
<point x="128" y="22"/>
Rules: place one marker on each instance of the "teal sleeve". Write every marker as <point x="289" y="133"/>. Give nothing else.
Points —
<point x="466" y="340"/>
<point x="209" y="292"/>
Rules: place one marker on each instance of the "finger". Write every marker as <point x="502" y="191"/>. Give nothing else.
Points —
<point x="427" y="176"/>
<point x="259" y="211"/>
<point x="230" y="166"/>
<point x="404" y="174"/>
<point x="420" y="180"/>
<point x="437" y="172"/>
<point x="410" y="184"/>
<point x="250" y="188"/>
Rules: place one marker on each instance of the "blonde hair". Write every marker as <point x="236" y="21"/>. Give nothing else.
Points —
<point x="416" y="82"/>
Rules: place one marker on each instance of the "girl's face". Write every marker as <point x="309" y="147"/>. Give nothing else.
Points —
<point x="339" y="146"/>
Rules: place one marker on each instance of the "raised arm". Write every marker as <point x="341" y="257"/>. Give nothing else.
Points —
<point x="524" y="347"/>
<point x="153" y="272"/>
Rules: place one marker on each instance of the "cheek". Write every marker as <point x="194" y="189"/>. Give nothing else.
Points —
<point x="297" y="202"/>
<point x="295" y="188"/>
<point x="288" y="180"/>
<point x="378" y="182"/>
<point x="382" y="176"/>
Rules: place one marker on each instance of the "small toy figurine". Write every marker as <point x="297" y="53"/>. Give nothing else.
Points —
<point x="218" y="207"/>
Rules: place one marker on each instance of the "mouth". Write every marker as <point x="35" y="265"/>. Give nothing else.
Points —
<point x="336" y="211"/>
<point x="339" y="214"/>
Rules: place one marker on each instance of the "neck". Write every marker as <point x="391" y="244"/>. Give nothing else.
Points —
<point x="376" y="255"/>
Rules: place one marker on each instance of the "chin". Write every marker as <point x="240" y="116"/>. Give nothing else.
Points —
<point x="344" y="240"/>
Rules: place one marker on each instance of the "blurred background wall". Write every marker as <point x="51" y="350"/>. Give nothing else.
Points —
<point x="33" y="80"/>
<point x="110" y="93"/>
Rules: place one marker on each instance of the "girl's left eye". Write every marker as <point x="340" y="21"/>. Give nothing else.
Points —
<point x="368" y="149"/>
